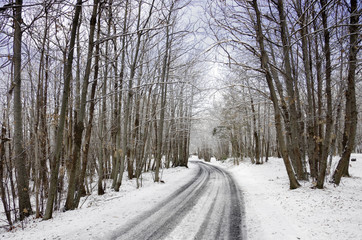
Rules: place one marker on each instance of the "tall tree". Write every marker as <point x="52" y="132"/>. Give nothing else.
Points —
<point x="59" y="135"/>
<point x="163" y="80"/>
<point x="350" y="125"/>
<point x="20" y="156"/>
<point x="329" y="121"/>
<point x="79" y="125"/>
<point x="88" y="133"/>
<point x="125" y="143"/>
<point x="293" y="183"/>
<point x="290" y="84"/>
<point x="308" y="77"/>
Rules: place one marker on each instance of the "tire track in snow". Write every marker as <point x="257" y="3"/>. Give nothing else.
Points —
<point x="207" y="207"/>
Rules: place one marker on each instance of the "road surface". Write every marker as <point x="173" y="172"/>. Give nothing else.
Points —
<point x="207" y="207"/>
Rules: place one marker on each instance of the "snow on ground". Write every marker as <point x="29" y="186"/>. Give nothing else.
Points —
<point x="100" y="215"/>
<point x="275" y="212"/>
<point x="272" y="210"/>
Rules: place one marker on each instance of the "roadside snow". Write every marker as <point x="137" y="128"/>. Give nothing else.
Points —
<point x="100" y="215"/>
<point x="275" y="212"/>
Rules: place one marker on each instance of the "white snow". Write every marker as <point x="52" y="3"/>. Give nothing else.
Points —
<point x="275" y="212"/>
<point x="272" y="210"/>
<point x="100" y="215"/>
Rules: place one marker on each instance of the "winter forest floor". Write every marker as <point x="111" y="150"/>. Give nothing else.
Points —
<point x="275" y="212"/>
<point x="272" y="210"/>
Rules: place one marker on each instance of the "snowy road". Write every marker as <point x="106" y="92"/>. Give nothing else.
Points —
<point x="207" y="207"/>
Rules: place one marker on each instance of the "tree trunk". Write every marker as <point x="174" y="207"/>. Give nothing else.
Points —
<point x="308" y="76"/>
<point x="256" y="135"/>
<point x="163" y="81"/>
<point x="103" y="119"/>
<point x="295" y="153"/>
<point x="351" y="115"/>
<point x="329" y="120"/>
<point x="79" y="125"/>
<point x="59" y="136"/>
<point x="125" y="143"/>
<point x="293" y="183"/>
<point x="3" y="139"/>
<point x="119" y="159"/>
<point x="19" y="151"/>
<point x="88" y="132"/>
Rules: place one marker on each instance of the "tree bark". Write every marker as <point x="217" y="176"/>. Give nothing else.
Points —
<point x="59" y="136"/>
<point x="329" y="121"/>
<point x="20" y="155"/>
<point x="3" y="140"/>
<point x="351" y="115"/>
<point x="308" y="76"/>
<point x="293" y="183"/>
<point x="103" y="120"/>
<point x="79" y="125"/>
<point x="163" y="81"/>
<point x="119" y="159"/>
<point x="125" y="143"/>
<point x="88" y="132"/>
<point x="295" y="153"/>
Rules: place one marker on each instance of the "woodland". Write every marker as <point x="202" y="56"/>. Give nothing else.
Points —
<point x="97" y="90"/>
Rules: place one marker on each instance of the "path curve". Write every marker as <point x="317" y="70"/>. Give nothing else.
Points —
<point x="209" y="206"/>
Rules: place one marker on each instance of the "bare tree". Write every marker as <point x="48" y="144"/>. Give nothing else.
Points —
<point x="59" y="137"/>
<point x="79" y="125"/>
<point x="163" y="80"/>
<point x="264" y="65"/>
<point x="350" y="126"/>
<point x="329" y="120"/>
<point x="20" y="156"/>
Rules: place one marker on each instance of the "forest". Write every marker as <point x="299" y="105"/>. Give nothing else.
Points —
<point x="291" y="65"/>
<point x="94" y="91"/>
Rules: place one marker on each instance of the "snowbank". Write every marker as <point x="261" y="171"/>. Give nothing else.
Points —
<point x="275" y="212"/>
<point x="101" y="215"/>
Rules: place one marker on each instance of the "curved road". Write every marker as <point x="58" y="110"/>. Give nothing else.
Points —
<point x="207" y="207"/>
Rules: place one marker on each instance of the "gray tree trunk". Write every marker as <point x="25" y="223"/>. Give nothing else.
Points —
<point x="351" y="114"/>
<point x="118" y="158"/>
<point x="20" y="156"/>
<point x="88" y="132"/>
<point x="6" y="205"/>
<point x="308" y="76"/>
<point x="293" y="183"/>
<point x="295" y="153"/>
<point x="79" y="125"/>
<point x="59" y="136"/>
<point x="329" y="121"/>
<point x="163" y="81"/>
